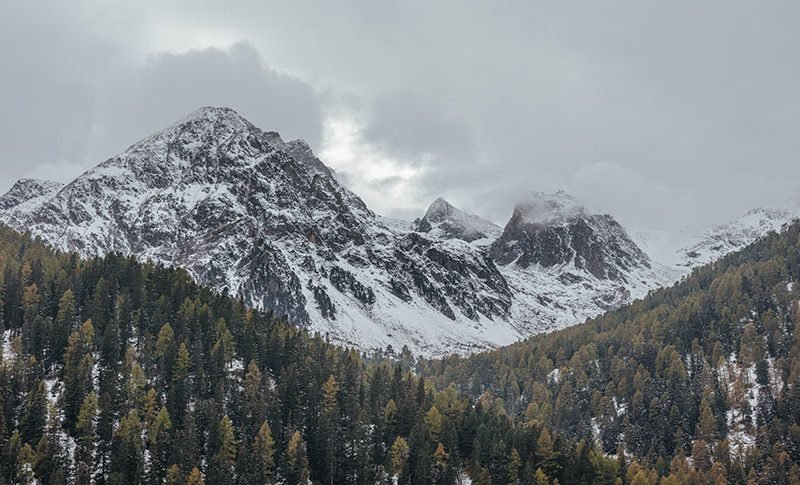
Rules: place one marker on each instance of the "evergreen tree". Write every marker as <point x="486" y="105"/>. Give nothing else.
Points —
<point x="264" y="455"/>
<point x="296" y="461"/>
<point x="78" y="364"/>
<point x="127" y="452"/>
<point x="86" y="429"/>
<point x="159" y="444"/>
<point x="222" y="466"/>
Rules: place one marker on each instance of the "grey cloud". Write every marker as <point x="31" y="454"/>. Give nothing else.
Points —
<point x="73" y="96"/>
<point x="684" y="112"/>
<point x="170" y="86"/>
<point x="410" y="126"/>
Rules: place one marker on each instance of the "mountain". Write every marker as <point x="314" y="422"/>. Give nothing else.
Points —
<point x="445" y="221"/>
<point x="264" y="219"/>
<point x="565" y="263"/>
<point x="686" y="249"/>
<point x="720" y="240"/>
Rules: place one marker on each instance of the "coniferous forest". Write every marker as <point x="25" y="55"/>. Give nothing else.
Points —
<point x="118" y="372"/>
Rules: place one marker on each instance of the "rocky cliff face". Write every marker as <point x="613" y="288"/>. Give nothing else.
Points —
<point x="265" y="219"/>
<point x="554" y="230"/>
<point x="564" y="263"/>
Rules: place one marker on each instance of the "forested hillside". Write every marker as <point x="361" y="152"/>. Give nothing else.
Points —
<point x="115" y="371"/>
<point x="119" y="372"/>
<point x="700" y="382"/>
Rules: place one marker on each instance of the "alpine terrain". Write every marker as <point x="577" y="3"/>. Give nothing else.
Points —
<point x="265" y="220"/>
<point x="685" y="250"/>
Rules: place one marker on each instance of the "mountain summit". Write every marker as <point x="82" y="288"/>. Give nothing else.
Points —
<point x="444" y="220"/>
<point x="566" y="263"/>
<point x="264" y="219"/>
<point x="554" y="230"/>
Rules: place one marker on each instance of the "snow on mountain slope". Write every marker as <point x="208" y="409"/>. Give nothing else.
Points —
<point x="686" y="249"/>
<point x="251" y="214"/>
<point x="26" y="195"/>
<point x="565" y="263"/>
<point x="248" y="213"/>
<point x="445" y="221"/>
<point x="726" y="238"/>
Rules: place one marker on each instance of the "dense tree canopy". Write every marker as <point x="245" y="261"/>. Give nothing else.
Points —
<point x="114" y="371"/>
<point x="705" y="373"/>
<point x="119" y="372"/>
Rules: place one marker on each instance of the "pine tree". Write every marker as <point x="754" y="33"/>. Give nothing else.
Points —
<point x="85" y="429"/>
<point x="399" y="454"/>
<point x="34" y="414"/>
<point x="159" y="444"/>
<point x="545" y="453"/>
<point x="50" y="463"/>
<point x="514" y="467"/>
<point x="440" y="473"/>
<point x="434" y="424"/>
<point x="174" y="476"/>
<point x="65" y="322"/>
<point x="540" y="477"/>
<point x="195" y="478"/>
<point x="263" y="454"/>
<point x="255" y="398"/>
<point x="78" y="364"/>
<point x="25" y="460"/>
<point x="297" y="472"/>
<point x="179" y="388"/>
<point x="164" y="348"/>
<point x="127" y="450"/>
<point x="329" y="426"/>
<point x="223" y="462"/>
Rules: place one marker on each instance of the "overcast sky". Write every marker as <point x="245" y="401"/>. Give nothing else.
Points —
<point x="665" y="113"/>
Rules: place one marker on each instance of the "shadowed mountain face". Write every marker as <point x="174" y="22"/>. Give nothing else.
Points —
<point x="554" y="231"/>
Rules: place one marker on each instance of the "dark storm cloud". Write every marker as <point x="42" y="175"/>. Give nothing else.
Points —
<point x="670" y="113"/>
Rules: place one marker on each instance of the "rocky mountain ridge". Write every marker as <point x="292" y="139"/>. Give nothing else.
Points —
<point x="250" y="214"/>
<point x="243" y="211"/>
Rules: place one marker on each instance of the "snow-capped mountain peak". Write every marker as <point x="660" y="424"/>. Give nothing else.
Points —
<point x="688" y="248"/>
<point x="555" y="229"/>
<point x="566" y="263"/>
<point x="445" y="221"/>
<point x="248" y="213"/>
<point x="549" y="209"/>
<point x="722" y="239"/>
